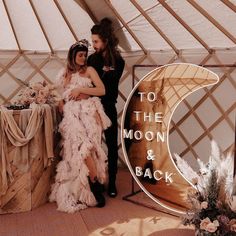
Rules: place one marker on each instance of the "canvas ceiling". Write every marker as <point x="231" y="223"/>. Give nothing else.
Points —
<point x="53" y="25"/>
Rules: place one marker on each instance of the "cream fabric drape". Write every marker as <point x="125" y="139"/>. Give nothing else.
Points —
<point x="21" y="137"/>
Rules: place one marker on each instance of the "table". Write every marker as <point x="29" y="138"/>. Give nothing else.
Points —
<point x="26" y="154"/>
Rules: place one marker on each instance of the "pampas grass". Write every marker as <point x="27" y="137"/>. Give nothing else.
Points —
<point x="213" y="196"/>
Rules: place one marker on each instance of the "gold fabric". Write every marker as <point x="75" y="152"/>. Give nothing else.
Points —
<point x="23" y="136"/>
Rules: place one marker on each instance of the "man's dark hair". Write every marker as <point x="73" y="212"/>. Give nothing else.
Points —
<point x="106" y="33"/>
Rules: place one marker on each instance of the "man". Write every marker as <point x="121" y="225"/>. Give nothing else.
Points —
<point x="109" y="65"/>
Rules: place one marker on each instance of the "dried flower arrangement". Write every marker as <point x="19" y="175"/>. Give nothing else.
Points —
<point x="39" y="93"/>
<point x="212" y="200"/>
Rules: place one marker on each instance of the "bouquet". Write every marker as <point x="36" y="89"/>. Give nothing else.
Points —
<point x="212" y="200"/>
<point x="39" y="93"/>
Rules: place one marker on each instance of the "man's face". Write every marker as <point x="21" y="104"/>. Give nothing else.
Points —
<point x="98" y="44"/>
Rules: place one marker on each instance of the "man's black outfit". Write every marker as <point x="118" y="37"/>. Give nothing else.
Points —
<point x="110" y="80"/>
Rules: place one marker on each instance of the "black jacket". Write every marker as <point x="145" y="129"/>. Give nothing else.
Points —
<point x="110" y="78"/>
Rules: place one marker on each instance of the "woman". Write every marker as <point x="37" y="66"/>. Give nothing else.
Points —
<point x="82" y="171"/>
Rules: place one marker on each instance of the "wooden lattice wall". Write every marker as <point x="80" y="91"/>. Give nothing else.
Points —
<point x="209" y="113"/>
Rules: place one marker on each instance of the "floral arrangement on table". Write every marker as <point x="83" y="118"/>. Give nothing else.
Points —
<point x="39" y="93"/>
<point x="213" y="200"/>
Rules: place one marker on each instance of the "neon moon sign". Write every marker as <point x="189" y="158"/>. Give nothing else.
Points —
<point x="145" y="131"/>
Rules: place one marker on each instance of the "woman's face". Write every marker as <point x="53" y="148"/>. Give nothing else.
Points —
<point x="80" y="58"/>
<point x="98" y="44"/>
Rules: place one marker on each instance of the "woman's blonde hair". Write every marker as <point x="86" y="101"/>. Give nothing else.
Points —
<point x="72" y="66"/>
<point x="79" y="46"/>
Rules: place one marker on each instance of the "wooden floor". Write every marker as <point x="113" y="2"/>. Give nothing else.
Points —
<point x="117" y="218"/>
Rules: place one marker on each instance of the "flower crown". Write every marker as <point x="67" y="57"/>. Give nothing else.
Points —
<point x="81" y="43"/>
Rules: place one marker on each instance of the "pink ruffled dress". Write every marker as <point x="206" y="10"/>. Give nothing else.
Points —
<point x="81" y="129"/>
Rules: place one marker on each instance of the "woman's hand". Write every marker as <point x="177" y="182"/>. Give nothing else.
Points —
<point x="74" y="94"/>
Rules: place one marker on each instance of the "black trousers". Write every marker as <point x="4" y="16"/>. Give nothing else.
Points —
<point x="111" y="135"/>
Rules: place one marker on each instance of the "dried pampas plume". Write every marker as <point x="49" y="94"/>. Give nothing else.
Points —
<point x="224" y="167"/>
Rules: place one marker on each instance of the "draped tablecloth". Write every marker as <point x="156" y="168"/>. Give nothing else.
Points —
<point x="26" y="152"/>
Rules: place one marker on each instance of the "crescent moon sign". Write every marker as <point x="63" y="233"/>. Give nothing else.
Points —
<point x="145" y="131"/>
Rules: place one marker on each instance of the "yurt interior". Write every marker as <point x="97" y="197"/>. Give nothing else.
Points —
<point x="35" y="37"/>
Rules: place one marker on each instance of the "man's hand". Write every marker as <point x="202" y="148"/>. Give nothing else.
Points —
<point x="82" y="96"/>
